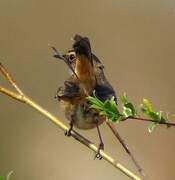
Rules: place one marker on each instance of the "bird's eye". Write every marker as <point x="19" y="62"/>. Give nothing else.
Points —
<point x="101" y="67"/>
<point x="72" y="57"/>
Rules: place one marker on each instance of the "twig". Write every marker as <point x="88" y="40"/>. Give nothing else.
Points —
<point x="10" y="79"/>
<point x="24" y="99"/>
<point x="125" y="146"/>
<point x="150" y="120"/>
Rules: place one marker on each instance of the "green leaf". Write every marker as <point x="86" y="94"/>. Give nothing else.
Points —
<point x="124" y="98"/>
<point x="128" y="107"/>
<point x="1" y="178"/>
<point x="107" y="105"/>
<point x="154" y="115"/>
<point x="94" y="100"/>
<point x="103" y="113"/>
<point x="108" y="108"/>
<point x="127" y="112"/>
<point x="157" y="116"/>
<point x="152" y="127"/>
<point x="131" y="107"/>
<point x="113" y="105"/>
<point x="148" y="105"/>
<point x="97" y="107"/>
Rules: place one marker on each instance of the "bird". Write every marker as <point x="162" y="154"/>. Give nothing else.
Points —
<point x="87" y="76"/>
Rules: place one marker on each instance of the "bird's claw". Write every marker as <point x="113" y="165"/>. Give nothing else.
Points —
<point x="98" y="155"/>
<point x="68" y="132"/>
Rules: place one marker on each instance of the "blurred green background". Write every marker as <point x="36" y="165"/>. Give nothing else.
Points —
<point x="135" y="41"/>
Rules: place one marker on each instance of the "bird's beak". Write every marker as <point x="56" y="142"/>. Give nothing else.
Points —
<point x="57" y="53"/>
<point x="62" y="57"/>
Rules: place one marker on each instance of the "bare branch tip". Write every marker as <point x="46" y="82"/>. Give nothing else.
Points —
<point x="1" y="65"/>
<point x="50" y="46"/>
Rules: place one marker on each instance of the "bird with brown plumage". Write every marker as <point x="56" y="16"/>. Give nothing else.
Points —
<point x="87" y="77"/>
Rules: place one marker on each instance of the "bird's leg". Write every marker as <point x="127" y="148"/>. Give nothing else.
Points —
<point x="101" y="145"/>
<point x="68" y="133"/>
<point x="56" y="94"/>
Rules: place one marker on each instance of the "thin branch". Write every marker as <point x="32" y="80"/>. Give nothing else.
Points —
<point x="150" y="120"/>
<point x="125" y="146"/>
<point x="9" y="78"/>
<point x="11" y="94"/>
<point x="24" y="99"/>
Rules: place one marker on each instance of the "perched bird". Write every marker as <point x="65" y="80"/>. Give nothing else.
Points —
<point x="87" y="76"/>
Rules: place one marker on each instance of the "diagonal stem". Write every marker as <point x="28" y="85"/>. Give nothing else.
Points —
<point x="150" y="120"/>
<point x="74" y="134"/>
<point x="125" y="146"/>
<point x="12" y="94"/>
<point x="9" y="78"/>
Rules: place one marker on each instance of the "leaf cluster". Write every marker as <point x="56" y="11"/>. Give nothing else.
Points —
<point x="157" y="116"/>
<point x="110" y="110"/>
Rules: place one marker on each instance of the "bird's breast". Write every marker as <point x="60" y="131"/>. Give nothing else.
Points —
<point x="83" y="118"/>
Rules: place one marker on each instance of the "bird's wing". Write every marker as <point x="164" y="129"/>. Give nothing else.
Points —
<point x="70" y="89"/>
<point x="105" y="92"/>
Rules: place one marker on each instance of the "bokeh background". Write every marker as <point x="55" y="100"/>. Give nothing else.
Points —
<point x="134" y="39"/>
